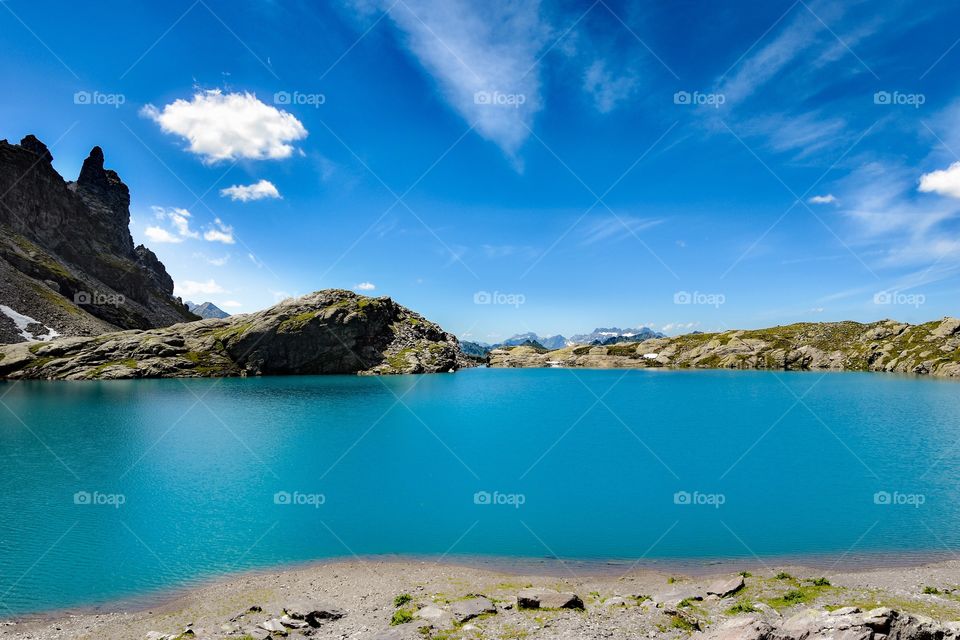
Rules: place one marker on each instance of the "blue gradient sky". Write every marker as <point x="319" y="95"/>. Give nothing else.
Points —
<point x="682" y="165"/>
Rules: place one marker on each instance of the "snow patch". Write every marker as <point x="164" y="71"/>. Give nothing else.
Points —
<point x="22" y="322"/>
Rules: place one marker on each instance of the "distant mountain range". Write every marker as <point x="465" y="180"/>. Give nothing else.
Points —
<point x="600" y="336"/>
<point x="206" y="310"/>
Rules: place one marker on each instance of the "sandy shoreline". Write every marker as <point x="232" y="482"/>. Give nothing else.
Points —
<point x="364" y="589"/>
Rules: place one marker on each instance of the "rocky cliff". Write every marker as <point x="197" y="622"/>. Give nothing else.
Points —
<point x="930" y="349"/>
<point x="331" y="331"/>
<point x="67" y="260"/>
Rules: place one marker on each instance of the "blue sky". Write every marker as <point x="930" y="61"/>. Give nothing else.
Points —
<point x="513" y="166"/>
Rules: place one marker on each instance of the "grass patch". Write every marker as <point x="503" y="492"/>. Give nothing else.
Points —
<point x="401" y="616"/>
<point x="933" y="591"/>
<point x="804" y="594"/>
<point x="741" y="607"/>
<point x="682" y="623"/>
<point x="402" y="599"/>
<point x="783" y="575"/>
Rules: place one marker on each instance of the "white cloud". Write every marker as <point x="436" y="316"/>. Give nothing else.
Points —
<point x="365" y="286"/>
<point x="189" y="288"/>
<point x="827" y="199"/>
<point x="179" y="218"/>
<point x="607" y="91"/>
<point x="219" y="233"/>
<point x="247" y="193"/>
<point x="229" y="126"/>
<point x="475" y="51"/>
<point x="158" y="234"/>
<point x="945" y="182"/>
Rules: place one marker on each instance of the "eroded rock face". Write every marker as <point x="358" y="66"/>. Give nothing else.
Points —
<point x="932" y="348"/>
<point x="331" y="331"/>
<point x="76" y="236"/>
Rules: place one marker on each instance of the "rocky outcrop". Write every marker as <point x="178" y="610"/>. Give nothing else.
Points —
<point x="848" y="623"/>
<point x="67" y="248"/>
<point x="932" y="348"/>
<point x="331" y="331"/>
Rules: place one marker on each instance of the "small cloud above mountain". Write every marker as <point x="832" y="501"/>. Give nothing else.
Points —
<point x="229" y="126"/>
<point x="251" y="192"/>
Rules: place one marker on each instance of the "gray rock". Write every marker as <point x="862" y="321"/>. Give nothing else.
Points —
<point x="724" y="588"/>
<point x="471" y="608"/>
<point x="273" y="625"/>
<point x="313" y="613"/>
<point x="436" y="616"/>
<point x="740" y="628"/>
<point x="548" y="599"/>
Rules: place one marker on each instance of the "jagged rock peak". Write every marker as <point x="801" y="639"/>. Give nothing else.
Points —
<point x="92" y="172"/>
<point x="33" y="145"/>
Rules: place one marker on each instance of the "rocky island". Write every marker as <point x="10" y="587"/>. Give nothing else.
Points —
<point x="330" y="331"/>
<point x="932" y="348"/>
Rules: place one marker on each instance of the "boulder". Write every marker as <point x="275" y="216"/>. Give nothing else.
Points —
<point x="437" y="617"/>
<point x="313" y="613"/>
<point x="471" y="608"/>
<point x="724" y="588"/>
<point x="740" y="628"/>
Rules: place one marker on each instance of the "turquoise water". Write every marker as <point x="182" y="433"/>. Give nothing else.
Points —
<point x="114" y="489"/>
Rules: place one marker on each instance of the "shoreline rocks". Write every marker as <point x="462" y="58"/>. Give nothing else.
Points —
<point x="932" y="348"/>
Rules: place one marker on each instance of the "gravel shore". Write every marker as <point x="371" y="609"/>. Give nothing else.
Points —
<point x="359" y="599"/>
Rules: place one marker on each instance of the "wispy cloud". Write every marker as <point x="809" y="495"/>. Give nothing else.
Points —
<point x="189" y="288"/>
<point x="616" y="228"/>
<point x="483" y="57"/>
<point x="824" y="199"/>
<point x="608" y="90"/>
